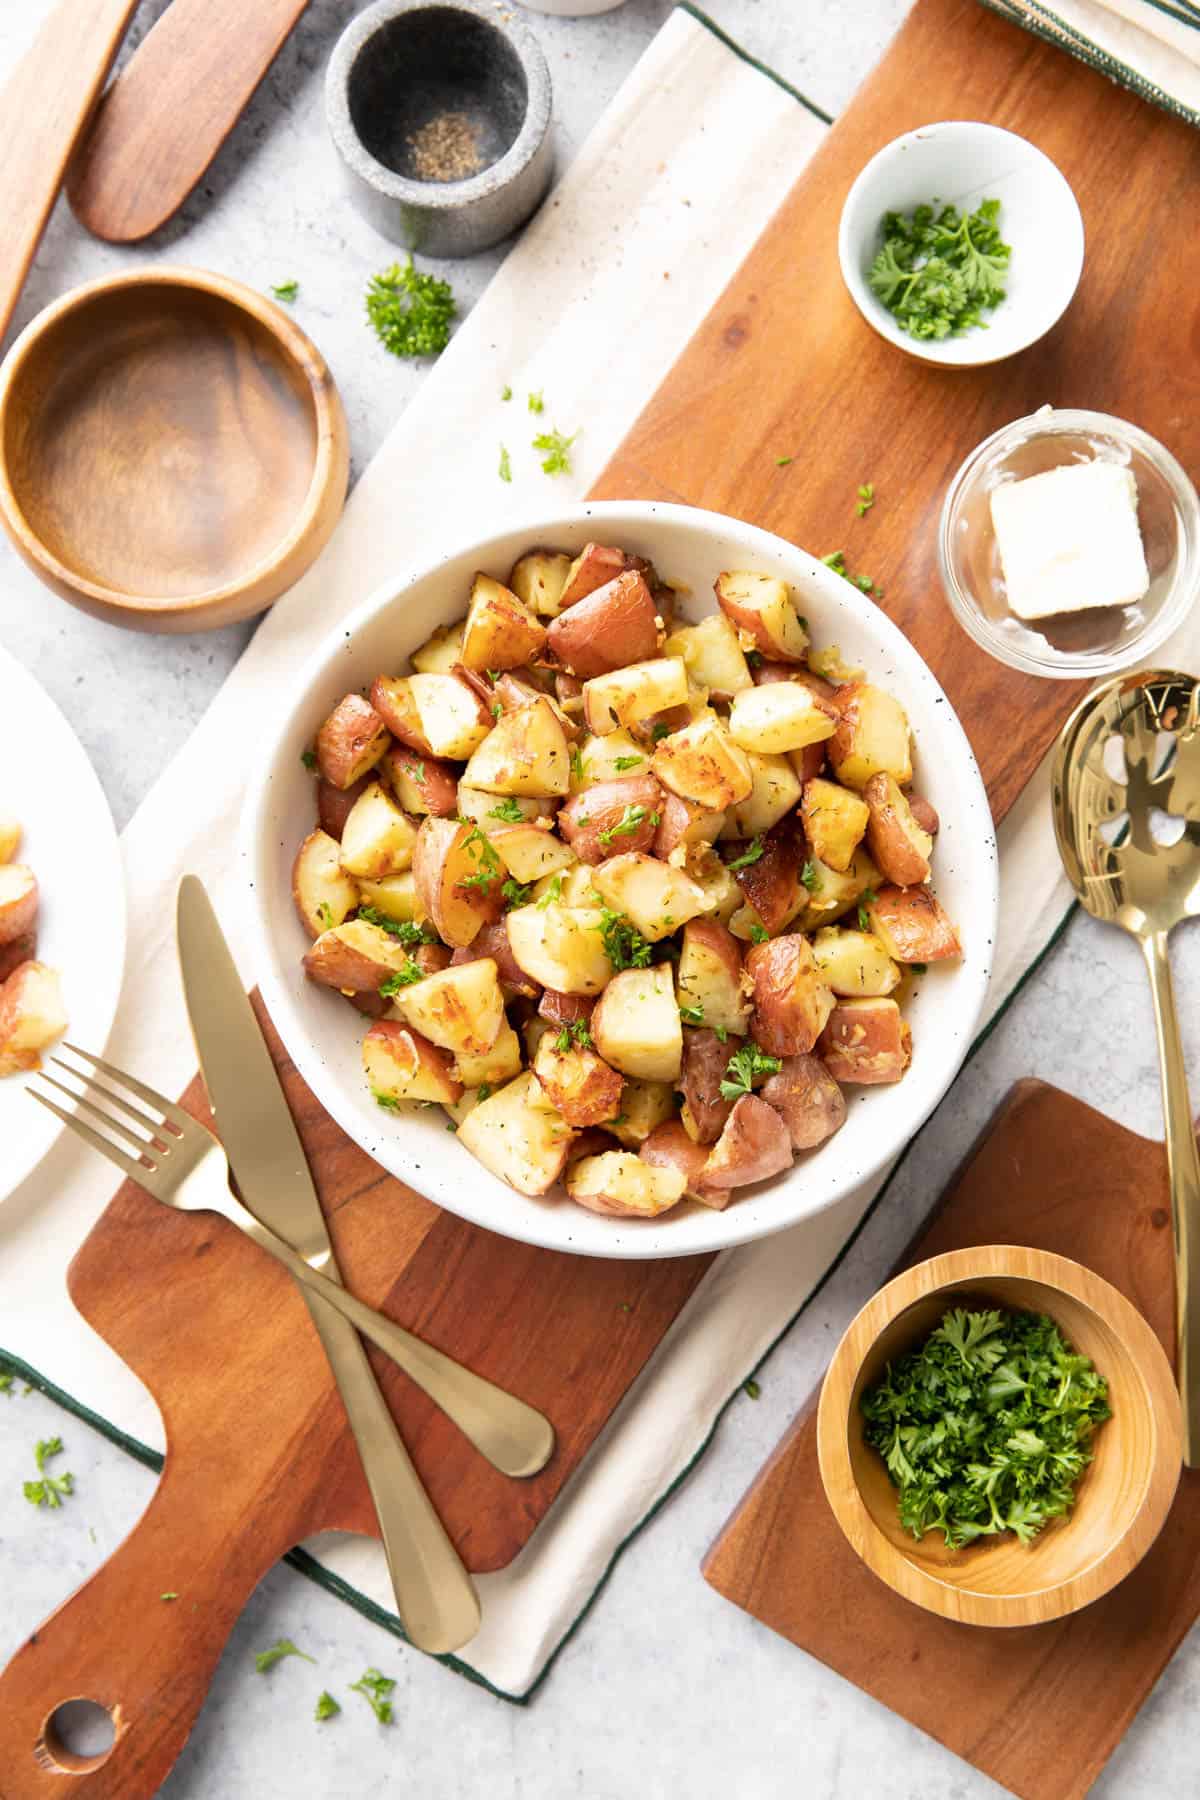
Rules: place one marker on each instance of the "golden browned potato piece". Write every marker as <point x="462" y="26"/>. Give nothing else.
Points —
<point x="635" y="1025"/>
<point x="595" y="565"/>
<point x="530" y="852"/>
<point x="621" y="1185"/>
<point x="791" y="1002"/>
<point x="710" y="980"/>
<point x="422" y="784"/>
<point x="705" y="1061"/>
<point x="835" y="822"/>
<point x="458" y="877"/>
<point x="780" y="717"/>
<point x="492" y="1067"/>
<point x="760" y="606"/>
<point x="355" y="958"/>
<point x="351" y="741"/>
<point x="10" y="836"/>
<point x="771" y="883"/>
<point x="393" y="699"/>
<point x="21" y="950"/>
<point x="609" y="628"/>
<point x="400" y="1064"/>
<point x="334" y="805"/>
<point x="518" y="1136"/>
<point x="657" y="897"/>
<point x="753" y="1146"/>
<point x="560" y="947"/>
<point x="565" y="1009"/>
<point x="580" y="1085"/>
<point x="377" y="838"/>
<point x="644" y="1105"/>
<point x="854" y="963"/>
<point x="492" y="940"/>
<point x="774" y="791"/>
<point x="500" y="632"/>
<point x="32" y="1016"/>
<point x="641" y="691"/>
<point x="461" y="1009"/>
<point x="670" y="1147"/>
<point x="866" y="1042"/>
<point x="439" y="653"/>
<point x="925" y="814"/>
<point x="713" y="656"/>
<point x="395" y="897"/>
<point x="538" y="578"/>
<point x="872" y="736"/>
<point x="899" y="845"/>
<point x="911" y="925"/>
<point x="624" y="813"/>
<point x="702" y="763"/>
<point x="683" y="822"/>
<point x="323" y="892"/>
<point x="525" y="754"/>
<point x="18" y="902"/>
<point x="807" y="1099"/>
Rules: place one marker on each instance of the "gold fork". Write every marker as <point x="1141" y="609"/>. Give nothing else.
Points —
<point x="183" y="1165"/>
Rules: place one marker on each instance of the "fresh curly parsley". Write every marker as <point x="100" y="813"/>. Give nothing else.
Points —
<point x="516" y="893"/>
<point x="692" y="1015"/>
<point x="508" y="812"/>
<point x="553" y="892"/>
<point x="51" y="1489"/>
<point x="506" y="392"/>
<point x="864" y="919"/>
<point x="556" y="449"/>
<point x="808" y="875"/>
<point x="536" y="403"/>
<point x="327" y="1707"/>
<point x="742" y="1068"/>
<point x="388" y="1102"/>
<point x="624" y="944"/>
<point x="659" y="731"/>
<point x="576" y="1033"/>
<point x="759" y="934"/>
<point x="287" y="291"/>
<point x="750" y="854"/>
<point x="325" y="914"/>
<point x="866" y="499"/>
<point x="627" y="762"/>
<point x="411" y="312"/>
<point x="576" y="758"/>
<point x="505" y="470"/>
<point x="404" y="929"/>
<point x="937" y="271"/>
<point x="986" y="1426"/>
<point x="401" y="978"/>
<point x="266" y="1659"/>
<point x="836" y="560"/>
<point x="376" y="1690"/>
<point x="478" y="847"/>
<point x="628" y="823"/>
<point x="309" y="759"/>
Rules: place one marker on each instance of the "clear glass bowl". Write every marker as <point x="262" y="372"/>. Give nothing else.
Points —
<point x="1102" y="640"/>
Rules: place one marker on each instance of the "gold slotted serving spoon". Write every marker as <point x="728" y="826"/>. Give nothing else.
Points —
<point x="1127" y="819"/>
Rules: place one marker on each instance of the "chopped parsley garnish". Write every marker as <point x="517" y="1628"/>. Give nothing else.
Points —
<point x="286" y="291"/>
<point x="327" y="1707"/>
<point x="325" y="915"/>
<point x="753" y="659"/>
<point x="404" y="929"/>
<point x="624" y="944"/>
<point x="553" y="892"/>
<point x="722" y="1032"/>
<point x="556" y="459"/>
<point x="536" y="403"/>
<point x="266" y="1659"/>
<point x="51" y="1489"/>
<point x="505" y="469"/>
<point x="169" y="1596"/>
<point x="516" y="893"/>
<point x="986" y="1426"/>
<point x="836" y="560"/>
<point x="659" y="731"/>
<point x="809" y="876"/>
<point x="781" y="462"/>
<point x="692" y="1015"/>
<point x="401" y="978"/>
<point x="389" y="1102"/>
<point x="483" y="1091"/>
<point x="750" y="854"/>
<point x="376" y="1690"/>
<point x="627" y="762"/>
<point x="576" y="762"/>
<point x="506" y="392"/>
<point x="752" y="1388"/>
<point x="509" y="812"/>
<point x="309" y="759"/>
<point x="743" y="1066"/>
<point x="411" y="312"/>
<point x="864" y="922"/>
<point x="866" y="498"/>
<point x="576" y="1032"/>
<point x="479" y="848"/>
<point x="937" y="271"/>
<point x="628" y="823"/>
<point x="759" y="934"/>
<point x="918" y="968"/>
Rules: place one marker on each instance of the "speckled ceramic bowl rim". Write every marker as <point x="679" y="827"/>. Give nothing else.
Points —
<point x="322" y="1035"/>
<point x="437" y="196"/>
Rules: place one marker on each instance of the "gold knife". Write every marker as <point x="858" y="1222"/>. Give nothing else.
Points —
<point x="435" y="1596"/>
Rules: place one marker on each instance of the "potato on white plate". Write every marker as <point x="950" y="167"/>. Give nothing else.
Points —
<point x="19" y="950"/>
<point x="400" y="1064"/>
<point x="760" y="606"/>
<point x="595" y="565"/>
<point x="530" y="851"/>
<point x="899" y="844"/>
<point x="351" y="741"/>
<point x="872" y="737"/>
<point x="807" y="1099"/>
<point x="501" y="1062"/>
<point x="768" y="872"/>
<point x="713" y="656"/>
<point x="683" y="822"/>
<point x="608" y="758"/>
<point x="538" y="578"/>
<point x="439" y="653"/>
<point x="791" y="1000"/>
<point x="500" y="631"/>
<point x="636" y="1025"/>
<point x="702" y="763"/>
<point x="10" y="836"/>
<point x="395" y="896"/>
<point x="912" y="925"/>
<point x="492" y="940"/>
<point x="355" y="958"/>
<point x="854" y="963"/>
<point x="621" y="1184"/>
<point x="612" y="816"/>
<point x="706" y="869"/>
<point x="832" y="892"/>
<point x="377" y="838"/>
<point x="669" y="1147"/>
<point x="705" y="1067"/>
<point x="638" y="692"/>
<point x="461" y="1009"/>
<point x="778" y="718"/>
<point x="421" y="783"/>
<point x="323" y="892"/>
<point x="655" y="897"/>
<point x="562" y="947"/>
<point x="774" y="791"/>
<point x="458" y="877"/>
<point x="579" y="1084"/>
<point x="710" y="982"/>
<point x="18" y="901"/>
<point x="644" y="1106"/>
<point x="32" y="1016"/>
<point x="754" y="1145"/>
<point x="496" y="812"/>
<point x="525" y="754"/>
<point x="609" y="628"/>
<point x="865" y="1042"/>
<point x="513" y="1134"/>
<point x="835" y="822"/>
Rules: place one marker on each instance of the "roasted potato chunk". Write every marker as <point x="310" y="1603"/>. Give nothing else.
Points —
<point x="611" y="627"/>
<point x="612" y="816"/>
<point x="854" y="963"/>
<point x="595" y="565"/>
<point x="492" y="940"/>
<point x="807" y="1099"/>
<point x="637" y="692"/>
<point x="579" y="1084"/>
<point x="500" y="633"/>
<point x="911" y="925"/>
<point x="538" y="578"/>
<point x="18" y="902"/>
<point x="355" y="957"/>
<point x="461" y="1009"/>
<point x="564" y="1009"/>
<point x="830" y="893"/>
<point x="866" y="1042"/>
<point x="760" y="606"/>
<point x="683" y="822"/>
<point x="644" y="1106"/>
<point x="334" y="805"/>
<point x="657" y="898"/>
<point x="770" y="880"/>
<point x="518" y="1136"/>
<point x="705" y="1061"/>
<point x="393" y="699"/>
<point x="900" y="846"/>
<point x="791" y="1001"/>
<point x="421" y="784"/>
<point x="492" y="1067"/>
<point x="709" y="980"/>
<point x="20" y="950"/>
<point x="530" y="851"/>
<point x="712" y="656"/>
<point x="702" y="763"/>
<point x="396" y="897"/>
<point x="351" y="741"/>
<point x="10" y="836"/>
<point x="635" y="1025"/>
<point x="439" y="653"/>
<point x="561" y="947"/>
<point x="608" y="758"/>
<point x="32" y="1016"/>
<point x="835" y="822"/>
<point x="669" y="1147"/>
<point x="774" y="791"/>
<point x="872" y="736"/>
<point x="753" y="1146"/>
<point x="621" y="1184"/>
<point x="377" y="838"/>
<point x="781" y="717"/>
<point x="458" y="877"/>
<point x="402" y="1065"/>
<point x="323" y="892"/>
<point x="526" y="754"/>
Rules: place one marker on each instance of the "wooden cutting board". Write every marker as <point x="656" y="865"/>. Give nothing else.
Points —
<point x="1052" y="1174"/>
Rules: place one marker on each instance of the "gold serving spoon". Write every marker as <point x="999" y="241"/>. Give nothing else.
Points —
<point x="1127" y="819"/>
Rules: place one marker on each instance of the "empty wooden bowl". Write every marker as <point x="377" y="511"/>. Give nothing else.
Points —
<point x="173" y="450"/>
<point x="1122" y="1499"/>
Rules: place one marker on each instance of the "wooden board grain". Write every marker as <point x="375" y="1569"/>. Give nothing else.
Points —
<point x="785" y="365"/>
<point x="1054" y="1175"/>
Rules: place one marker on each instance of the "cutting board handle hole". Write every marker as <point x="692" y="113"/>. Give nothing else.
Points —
<point x="79" y="1736"/>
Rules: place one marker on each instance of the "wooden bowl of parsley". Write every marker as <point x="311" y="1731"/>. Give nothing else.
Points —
<point x="999" y="1436"/>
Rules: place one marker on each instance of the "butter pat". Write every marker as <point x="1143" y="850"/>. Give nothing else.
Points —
<point x="1069" y="540"/>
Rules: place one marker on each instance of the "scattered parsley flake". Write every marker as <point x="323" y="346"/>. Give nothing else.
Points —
<point x="692" y="1015"/>
<point x="505" y="464"/>
<point x="576" y="1033"/>
<point x="865" y="899"/>
<point x="659" y="731"/>
<point x="556" y="459"/>
<point x="327" y="1707"/>
<point x="536" y="403"/>
<point x="171" y="1596"/>
<point x="479" y="847"/>
<point x="576" y="762"/>
<point x="866" y="499"/>
<point x="781" y="462"/>
<point x="627" y="762"/>
<point x="836" y="560"/>
<point x="506" y="392"/>
<point x="376" y="1690"/>
<point x="411" y="312"/>
<point x="51" y="1489"/>
<point x="750" y="855"/>
<point x="918" y="968"/>
<point x="516" y="893"/>
<point x="808" y="875"/>
<point x="325" y="915"/>
<point x="401" y="978"/>
<point x="508" y="811"/>
<point x="483" y="1091"/>
<point x="742" y="1068"/>
<point x="722" y="1032"/>
<point x="624" y="944"/>
<point x="389" y="1102"/>
<point x="752" y="1388"/>
<point x="628" y="823"/>
<point x="266" y="1659"/>
<point x="286" y="291"/>
<point x="553" y="893"/>
<point x="404" y="929"/>
<point x="938" y="271"/>
<point x="309" y="759"/>
<point x="759" y="934"/>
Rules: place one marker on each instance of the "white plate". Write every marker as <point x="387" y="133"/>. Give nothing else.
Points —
<point x="322" y="1033"/>
<point x="70" y="842"/>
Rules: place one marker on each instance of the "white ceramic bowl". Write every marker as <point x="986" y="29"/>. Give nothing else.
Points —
<point x="322" y="1033"/>
<point x="965" y="162"/>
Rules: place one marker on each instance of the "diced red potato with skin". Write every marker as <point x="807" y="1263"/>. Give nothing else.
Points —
<point x="754" y="1145"/>
<point x="619" y="1184"/>
<point x="32" y="1016"/>
<point x="568" y="691"/>
<point x="459" y="1008"/>
<point x="866" y="1042"/>
<point x="761" y="608"/>
<point x="670" y="1147"/>
<point x="766" y="672"/>
<point x="771" y="884"/>
<point x="912" y="926"/>
<point x="334" y="805"/>
<point x="392" y="699"/>
<point x="807" y="1099"/>
<point x="925" y="814"/>
<point x="18" y="902"/>
<point x="378" y="838"/>
<point x="593" y="1142"/>
<point x="500" y="632"/>
<point x="351" y="741"/>
<point x="896" y="841"/>
<point x="538" y="578"/>
<point x="20" y="950"/>
<point x="872" y="736"/>
<point x="791" y="1002"/>
<point x="354" y="958"/>
<point x="492" y="940"/>
<point x="683" y="822"/>
<point x="710" y="977"/>
<point x="580" y="1085"/>
<point x="422" y="784"/>
<point x="565" y="1009"/>
<point x="370" y="1005"/>
<point x="702" y="763"/>
<point x="835" y="822"/>
<point x="609" y="628"/>
<point x="400" y="1064"/>
<point x="595" y="565"/>
<point x="524" y="755"/>
<point x="447" y="856"/>
<point x="705" y="1061"/>
<point x="518" y="1136"/>
<point x="323" y="892"/>
<point x="809" y="762"/>
<point x="601" y="808"/>
<point x="642" y="691"/>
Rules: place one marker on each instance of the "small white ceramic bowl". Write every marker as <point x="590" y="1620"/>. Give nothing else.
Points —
<point x="323" y="1034"/>
<point x="965" y="163"/>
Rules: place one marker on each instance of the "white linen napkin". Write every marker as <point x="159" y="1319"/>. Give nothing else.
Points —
<point x="680" y="177"/>
<point x="1151" y="46"/>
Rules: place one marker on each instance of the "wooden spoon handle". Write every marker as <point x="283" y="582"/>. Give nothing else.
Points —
<point x="169" y="111"/>
<point x="44" y="107"/>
